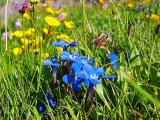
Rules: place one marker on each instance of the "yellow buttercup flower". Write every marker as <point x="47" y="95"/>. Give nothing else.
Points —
<point x="64" y="37"/>
<point x="25" y="41"/>
<point x="45" y="55"/>
<point x="69" y="24"/>
<point x="57" y="11"/>
<point x="51" y="21"/>
<point x="45" y="31"/>
<point x="17" y="51"/>
<point x="49" y="10"/>
<point x="18" y="34"/>
<point x="37" y="41"/>
<point x="130" y="5"/>
<point x="155" y="17"/>
<point x="26" y="16"/>
<point x="29" y="32"/>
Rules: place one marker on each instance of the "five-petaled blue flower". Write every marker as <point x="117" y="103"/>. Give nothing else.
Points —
<point x="90" y="75"/>
<point x="63" y="44"/>
<point x="113" y="60"/>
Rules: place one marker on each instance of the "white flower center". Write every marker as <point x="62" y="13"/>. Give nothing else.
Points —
<point x="93" y="76"/>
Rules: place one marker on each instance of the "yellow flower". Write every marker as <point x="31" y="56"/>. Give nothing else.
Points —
<point x="44" y="5"/>
<point x="64" y="14"/>
<point x="11" y="34"/>
<point x="37" y="41"/>
<point x="17" y="51"/>
<point x="64" y="37"/>
<point x="29" y="32"/>
<point x="45" y="55"/>
<point x="69" y="24"/>
<point x="18" y="34"/>
<point x="155" y="17"/>
<point x="49" y="10"/>
<point x="36" y="50"/>
<point x="130" y="5"/>
<point x="45" y="31"/>
<point x="51" y="21"/>
<point x="35" y="1"/>
<point x="25" y="41"/>
<point x="49" y="2"/>
<point x="57" y="11"/>
<point x="26" y="16"/>
<point x="102" y="1"/>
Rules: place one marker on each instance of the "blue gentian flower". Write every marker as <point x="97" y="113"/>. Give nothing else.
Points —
<point x="52" y="63"/>
<point x="91" y="74"/>
<point x="138" y="8"/>
<point x="74" y="80"/>
<point x="69" y="57"/>
<point x="113" y="60"/>
<point x="41" y="107"/>
<point x="51" y="101"/>
<point x="63" y="44"/>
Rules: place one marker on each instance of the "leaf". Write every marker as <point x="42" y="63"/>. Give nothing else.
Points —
<point x="99" y="90"/>
<point x="71" y="111"/>
<point x="36" y="113"/>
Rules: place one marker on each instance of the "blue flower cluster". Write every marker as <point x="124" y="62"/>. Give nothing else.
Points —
<point x="81" y="70"/>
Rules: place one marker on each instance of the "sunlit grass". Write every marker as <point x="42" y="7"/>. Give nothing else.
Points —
<point x="134" y="94"/>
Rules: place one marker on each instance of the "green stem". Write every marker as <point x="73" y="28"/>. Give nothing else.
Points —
<point x="84" y="21"/>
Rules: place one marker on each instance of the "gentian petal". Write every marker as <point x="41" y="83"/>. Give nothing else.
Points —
<point x="60" y="43"/>
<point x="89" y="69"/>
<point x="67" y="79"/>
<point x="113" y="60"/>
<point x="73" y="44"/>
<point x="76" y="85"/>
<point x="82" y="75"/>
<point x="94" y="82"/>
<point x="56" y="65"/>
<point x="52" y="102"/>
<point x="64" y="57"/>
<point x="76" y="67"/>
<point x="100" y="71"/>
<point x="86" y="82"/>
<point x="41" y="107"/>
<point x="115" y="65"/>
<point x="109" y="77"/>
<point x="91" y="61"/>
<point x="54" y="59"/>
<point x="47" y="63"/>
<point x="48" y="95"/>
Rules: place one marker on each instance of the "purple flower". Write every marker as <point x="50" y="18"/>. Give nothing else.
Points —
<point x="18" y="24"/>
<point x="4" y="35"/>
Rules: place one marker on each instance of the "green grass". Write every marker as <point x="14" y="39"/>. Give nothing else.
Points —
<point x="134" y="95"/>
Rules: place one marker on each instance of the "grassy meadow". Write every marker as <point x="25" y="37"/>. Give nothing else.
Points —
<point x="121" y="42"/>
